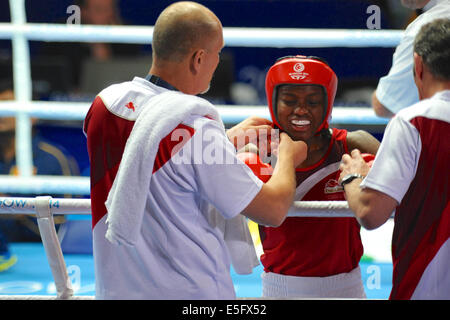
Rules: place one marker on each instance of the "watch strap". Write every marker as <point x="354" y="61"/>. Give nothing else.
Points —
<point x="350" y="177"/>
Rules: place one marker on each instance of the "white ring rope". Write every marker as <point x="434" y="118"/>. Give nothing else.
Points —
<point x="44" y="184"/>
<point x="322" y="209"/>
<point x="20" y="32"/>
<point x="52" y="110"/>
<point x="45" y="207"/>
<point x="27" y="205"/>
<point x="77" y="111"/>
<point x="21" y="205"/>
<point x="234" y="37"/>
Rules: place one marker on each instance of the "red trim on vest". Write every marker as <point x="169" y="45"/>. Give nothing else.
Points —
<point x="169" y="146"/>
<point x="423" y="218"/>
<point x="107" y="135"/>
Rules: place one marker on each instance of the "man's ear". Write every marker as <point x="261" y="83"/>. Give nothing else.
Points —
<point x="418" y="73"/>
<point x="197" y="58"/>
<point x="418" y="67"/>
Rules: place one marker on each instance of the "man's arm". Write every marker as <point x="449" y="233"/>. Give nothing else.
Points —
<point x="371" y="207"/>
<point x="379" y="108"/>
<point x="272" y="203"/>
<point x="248" y="131"/>
<point x="363" y="141"/>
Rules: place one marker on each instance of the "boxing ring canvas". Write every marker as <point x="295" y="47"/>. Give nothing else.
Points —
<point x="32" y="276"/>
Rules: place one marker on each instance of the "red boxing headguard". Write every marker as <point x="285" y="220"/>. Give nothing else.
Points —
<point x="301" y="70"/>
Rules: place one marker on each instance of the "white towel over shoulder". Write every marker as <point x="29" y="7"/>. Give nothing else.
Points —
<point x="126" y="199"/>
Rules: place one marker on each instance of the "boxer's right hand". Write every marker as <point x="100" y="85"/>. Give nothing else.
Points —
<point x="262" y="170"/>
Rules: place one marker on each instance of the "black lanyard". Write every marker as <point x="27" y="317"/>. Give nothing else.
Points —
<point x="160" y="82"/>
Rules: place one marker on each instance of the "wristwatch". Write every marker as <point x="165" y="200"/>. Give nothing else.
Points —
<point x="350" y="177"/>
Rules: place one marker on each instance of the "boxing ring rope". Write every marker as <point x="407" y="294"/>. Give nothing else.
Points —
<point x="20" y="32"/>
<point x="234" y="37"/>
<point x="54" y="110"/>
<point x="44" y="207"/>
<point x="28" y="205"/>
<point x="23" y="108"/>
<point x="50" y="110"/>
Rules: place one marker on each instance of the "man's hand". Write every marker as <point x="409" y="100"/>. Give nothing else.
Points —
<point x="371" y="207"/>
<point x="353" y="164"/>
<point x="297" y="149"/>
<point x="252" y="130"/>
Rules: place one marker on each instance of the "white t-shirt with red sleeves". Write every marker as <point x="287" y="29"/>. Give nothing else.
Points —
<point x="178" y="255"/>
<point x="412" y="166"/>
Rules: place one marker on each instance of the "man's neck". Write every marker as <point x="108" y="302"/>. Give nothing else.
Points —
<point x="173" y="75"/>
<point x="435" y="87"/>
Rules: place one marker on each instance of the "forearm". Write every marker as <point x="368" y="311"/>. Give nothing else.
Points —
<point x="356" y="202"/>
<point x="272" y="203"/>
<point x="283" y="184"/>
<point x="379" y="109"/>
<point x="371" y="208"/>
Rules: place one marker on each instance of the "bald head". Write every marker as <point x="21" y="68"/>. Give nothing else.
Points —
<point x="181" y="28"/>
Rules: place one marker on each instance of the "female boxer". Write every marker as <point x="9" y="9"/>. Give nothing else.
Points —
<point x="312" y="257"/>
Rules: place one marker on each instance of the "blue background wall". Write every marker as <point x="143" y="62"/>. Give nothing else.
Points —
<point x="367" y="63"/>
<point x="352" y="65"/>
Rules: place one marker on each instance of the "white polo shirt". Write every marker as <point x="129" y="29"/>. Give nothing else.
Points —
<point x="413" y="167"/>
<point x="178" y="254"/>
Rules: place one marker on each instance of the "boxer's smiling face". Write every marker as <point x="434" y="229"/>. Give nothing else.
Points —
<point x="300" y="110"/>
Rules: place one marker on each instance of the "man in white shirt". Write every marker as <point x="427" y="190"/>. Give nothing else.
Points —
<point x="162" y="159"/>
<point x="411" y="175"/>
<point x="397" y="90"/>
